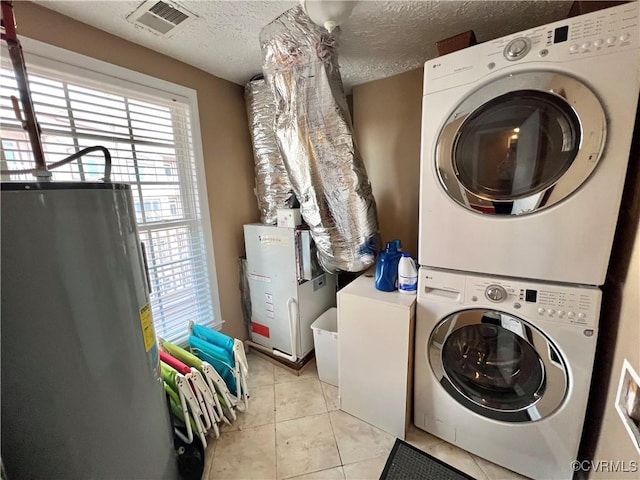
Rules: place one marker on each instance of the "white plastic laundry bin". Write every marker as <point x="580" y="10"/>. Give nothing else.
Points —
<point x="325" y="340"/>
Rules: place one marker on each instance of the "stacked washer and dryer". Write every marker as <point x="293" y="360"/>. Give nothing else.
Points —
<point x="525" y="144"/>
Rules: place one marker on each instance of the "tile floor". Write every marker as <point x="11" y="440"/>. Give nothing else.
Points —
<point x="294" y="430"/>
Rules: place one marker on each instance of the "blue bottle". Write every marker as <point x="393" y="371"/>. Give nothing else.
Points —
<point x="387" y="267"/>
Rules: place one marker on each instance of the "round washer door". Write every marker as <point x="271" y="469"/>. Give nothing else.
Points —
<point x="521" y="143"/>
<point x="498" y="365"/>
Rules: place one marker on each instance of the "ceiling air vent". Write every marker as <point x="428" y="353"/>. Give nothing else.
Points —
<point x="161" y="17"/>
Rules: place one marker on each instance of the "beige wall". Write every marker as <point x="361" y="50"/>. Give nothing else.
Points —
<point x="225" y="138"/>
<point x="386" y="117"/>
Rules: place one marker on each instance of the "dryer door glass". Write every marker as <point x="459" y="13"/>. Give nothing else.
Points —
<point x="516" y="145"/>
<point x="498" y="365"/>
<point x="520" y="143"/>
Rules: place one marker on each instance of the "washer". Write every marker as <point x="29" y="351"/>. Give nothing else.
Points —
<point x="525" y="144"/>
<point x="503" y="367"/>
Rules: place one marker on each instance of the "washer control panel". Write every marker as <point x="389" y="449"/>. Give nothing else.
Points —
<point x="533" y="300"/>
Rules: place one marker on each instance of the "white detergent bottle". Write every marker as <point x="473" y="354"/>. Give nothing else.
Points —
<point x="407" y="275"/>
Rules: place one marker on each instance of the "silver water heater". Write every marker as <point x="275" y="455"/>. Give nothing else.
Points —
<point x="81" y="394"/>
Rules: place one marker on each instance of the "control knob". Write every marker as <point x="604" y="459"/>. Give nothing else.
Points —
<point x="495" y="293"/>
<point x="517" y="48"/>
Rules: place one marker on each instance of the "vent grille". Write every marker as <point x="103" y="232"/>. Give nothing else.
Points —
<point x="168" y="13"/>
<point x="161" y="17"/>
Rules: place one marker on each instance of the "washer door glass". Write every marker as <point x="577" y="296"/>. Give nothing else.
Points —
<point x="498" y="365"/>
<point x="520" y="143"/>
<point x="516" y="145"/>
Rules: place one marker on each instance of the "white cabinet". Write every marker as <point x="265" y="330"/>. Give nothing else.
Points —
<point x="375" y="354"/>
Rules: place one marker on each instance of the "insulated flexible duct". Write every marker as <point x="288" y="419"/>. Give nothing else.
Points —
<point x="313" y="128"/>
<point x="273" y="187"/>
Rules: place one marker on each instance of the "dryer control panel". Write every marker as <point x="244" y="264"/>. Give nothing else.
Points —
<point x="531" y="300"/>
<point x="603" y="32"/>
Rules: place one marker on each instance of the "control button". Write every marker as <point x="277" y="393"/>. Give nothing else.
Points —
<point x="586" y="45"/>
<point x="582" y="316"/>
<point x="611" y="40"/>
<point x="474" y="299"/>
<point x="516" y="305"/>
<point x="491" y="66"/>
<point x="561" y="312"/>
<point x="571" y="314"/>
<point x="598" y="42"/>
<point x="544" y="52"/>
<point x="551" y="311"/>
<point x="624" y="37"/>
<point x="574" y="48"/>
<point x="495" y="293"/>
<point x="541" y="311"/>
<point x="517" y="48"/>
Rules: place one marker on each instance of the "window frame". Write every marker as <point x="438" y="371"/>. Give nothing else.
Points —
<point x="100" y="72"/>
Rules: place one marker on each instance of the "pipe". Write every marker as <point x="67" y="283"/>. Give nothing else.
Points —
<point x="269" y="351"/>
<point x="69" y="159"/>
<point x="278" y="353"/>
<point x="30" y="123"/>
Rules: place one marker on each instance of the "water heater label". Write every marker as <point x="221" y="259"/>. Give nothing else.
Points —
<point x="148" y="332"/>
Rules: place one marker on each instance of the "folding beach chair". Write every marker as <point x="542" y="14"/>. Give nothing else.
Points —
<point x="213" y="379"/>
<point x="203" y="394"/>
<point x="187" y="400"/>
<point x="233" y="359"/>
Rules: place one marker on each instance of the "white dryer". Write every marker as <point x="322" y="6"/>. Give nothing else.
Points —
<point x="525" y="144"/>
<point x="503" y="367"/>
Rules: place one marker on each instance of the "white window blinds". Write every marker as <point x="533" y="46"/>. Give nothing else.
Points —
<point x="150" y="140"/>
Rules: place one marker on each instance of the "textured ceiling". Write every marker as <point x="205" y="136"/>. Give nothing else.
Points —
<point x="380" y="39"/>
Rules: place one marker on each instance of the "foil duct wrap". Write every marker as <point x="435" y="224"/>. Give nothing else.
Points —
<point x="314" y="132"/>
<point x="273" y="187"/>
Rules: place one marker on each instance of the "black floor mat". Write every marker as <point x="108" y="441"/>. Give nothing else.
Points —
<point x="406" y="462"/>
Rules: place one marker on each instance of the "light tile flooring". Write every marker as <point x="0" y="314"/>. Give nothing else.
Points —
<point x="295" y="430"/>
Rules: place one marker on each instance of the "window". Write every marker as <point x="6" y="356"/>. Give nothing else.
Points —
<point x="150" y="135"/>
